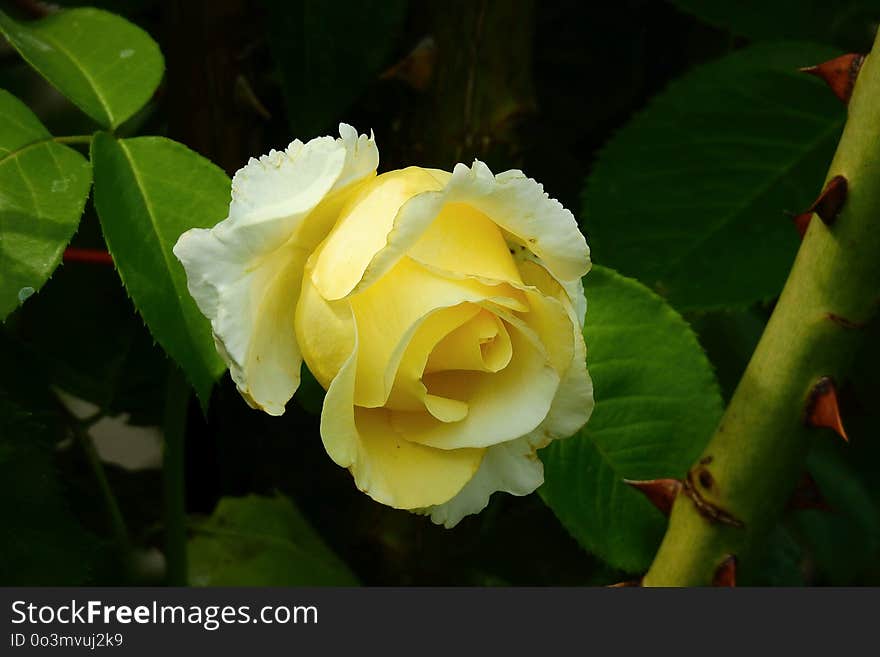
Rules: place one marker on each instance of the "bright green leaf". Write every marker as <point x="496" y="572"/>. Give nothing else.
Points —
<point x="148" y="191"/>
<point x="690" y="197"/>
<point x="657" y="403"/>
<point x="261" y="541"/>
<point x="105" y="65"/>
<point x="43" y="188"/>
<point x="848" y="23"/>
<point x="327" y="55"/>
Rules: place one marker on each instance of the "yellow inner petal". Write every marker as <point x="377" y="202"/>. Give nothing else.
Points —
<point x="362" y="228"/>
<point x="502" y="405"/>
<point x="408" y="392"/>
<point x="481" y="344"/>
<point x="390" y="312"/>
<point x="325" y="332"/>
<point x="403" y="474"/>
<point x="463" y="240"/>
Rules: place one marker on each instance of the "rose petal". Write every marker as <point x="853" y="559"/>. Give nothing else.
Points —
<point x="503" y="405"/>
<point x="363" y="228"/>
<point x="482" y="344"/>
<point x="389" y="313"/>
<point x="464" y="240"/>
<point x="384" y="465"/>
<point x="535" y="225"/>
<point x="540" y="223"/>
<point x="324" y="331"/>
<point x="404" y="475"/>
<point x="511" y="467"/>
<point x="408" y="393"/>
<point x="245" y="273"/>
<point x="573" y="404"/>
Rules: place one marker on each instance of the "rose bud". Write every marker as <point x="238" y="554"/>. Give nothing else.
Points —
<point x="442" y="312"/>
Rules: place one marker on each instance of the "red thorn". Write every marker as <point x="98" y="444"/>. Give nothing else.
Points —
<point x="839" y="74"/>
<point x="660" y="492"/>
<point x="625" y="585"/>
<point x="831" y="200"/>
<point x="802" y="222"/>
<point x="827" y="206"/>
<point x="725" y="574"/>
<point x="91" y="256"/>
<point x="807" y="496"/>
<point x="823" y="409"/>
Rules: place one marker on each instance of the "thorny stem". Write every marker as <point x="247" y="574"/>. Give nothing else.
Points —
<point x="758" y="452"/>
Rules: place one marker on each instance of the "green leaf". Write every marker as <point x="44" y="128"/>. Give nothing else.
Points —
<point x="261" y="541"/>
<point x="148" y="191"/>
<point x="105" y="65"/>
<point x="657" y="404"/>
<point x="43" y="189"/>
<point x="848" y="23"/>
<point x="690" y="197"/>
<point x="327" y="56"/>
<point x="43" y="543"/>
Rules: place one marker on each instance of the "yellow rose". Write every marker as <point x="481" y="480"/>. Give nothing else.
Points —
<point x="442" y="313"/>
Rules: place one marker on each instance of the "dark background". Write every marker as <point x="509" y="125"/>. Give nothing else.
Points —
<point x="537" y="86"/>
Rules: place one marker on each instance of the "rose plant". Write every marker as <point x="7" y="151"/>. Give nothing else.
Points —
<point x="442" y="312"/>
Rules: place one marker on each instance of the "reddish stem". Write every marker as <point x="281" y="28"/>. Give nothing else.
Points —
<point x="91" y="256"/>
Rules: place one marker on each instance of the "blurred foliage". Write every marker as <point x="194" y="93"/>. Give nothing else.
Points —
<point x="848" y="24"/>
<point x="43" y="543"/>
<point x="685" y="123"/>
<point x="328" y="69"/>
<point x="261" y="541"/>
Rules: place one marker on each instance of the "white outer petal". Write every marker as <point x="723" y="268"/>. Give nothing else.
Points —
<point x="575" y="291"/>
<point x="245" y="272"/>
<point x="529" y="217"/>
<point x="521" y="207"/>
<point x="511" y="467"/>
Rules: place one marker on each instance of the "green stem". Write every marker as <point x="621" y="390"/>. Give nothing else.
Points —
<point x="758" y="452"/>
<point x="79" y="428"/>
<point x="173" y="474"/>
<point x="73" y="139"/>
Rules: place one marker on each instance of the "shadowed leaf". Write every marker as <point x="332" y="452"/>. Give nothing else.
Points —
<point x="261" y="541"/>
<point x="704" y="176"/>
